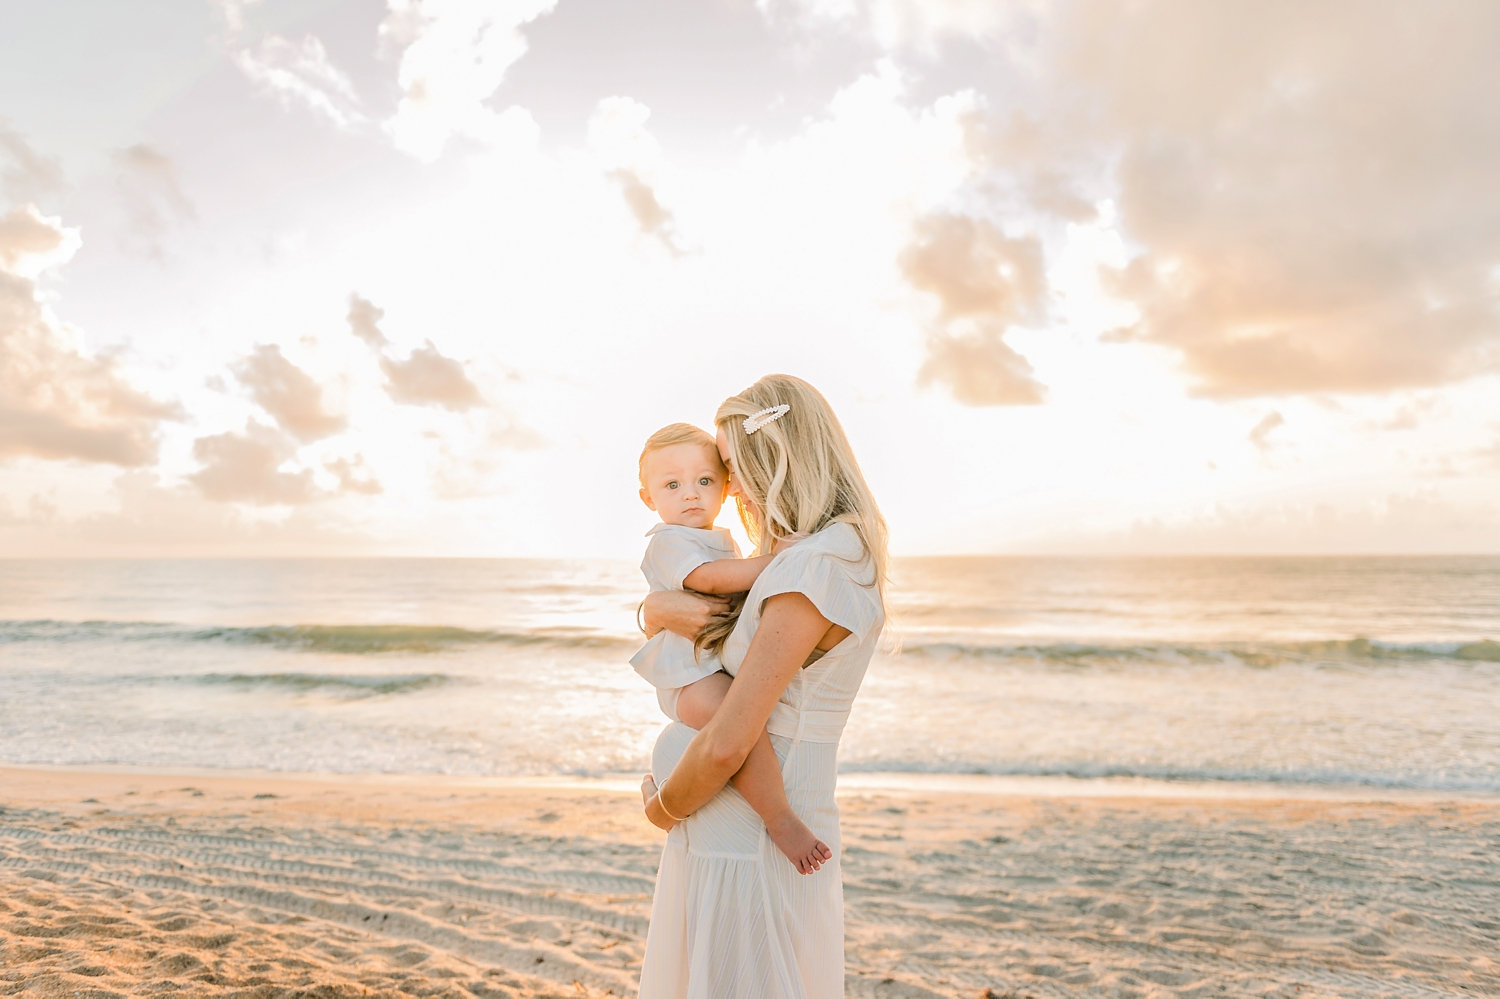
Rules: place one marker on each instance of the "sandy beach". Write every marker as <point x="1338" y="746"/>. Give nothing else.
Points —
<point x="127" y="883"/>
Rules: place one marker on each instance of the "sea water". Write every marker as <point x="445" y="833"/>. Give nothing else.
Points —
<point x="1351" y="672"/>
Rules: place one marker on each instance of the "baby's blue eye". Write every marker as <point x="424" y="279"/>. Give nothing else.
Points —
<point x="672" y="484"/>
<point x="707" y="480"/>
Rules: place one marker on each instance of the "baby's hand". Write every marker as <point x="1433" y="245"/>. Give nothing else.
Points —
<point x="782" y="544"/>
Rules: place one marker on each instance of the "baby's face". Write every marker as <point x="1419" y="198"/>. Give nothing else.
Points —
<point x="684" y="484"/>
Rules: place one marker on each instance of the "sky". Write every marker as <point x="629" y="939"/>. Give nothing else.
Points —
<point x="418" y="277"/>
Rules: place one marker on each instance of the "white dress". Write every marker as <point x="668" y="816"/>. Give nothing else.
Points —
<point x="731" y="917"/>
<point x="668" y="661"/>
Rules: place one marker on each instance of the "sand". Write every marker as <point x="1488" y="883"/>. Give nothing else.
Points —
<point x="135" y="884"/>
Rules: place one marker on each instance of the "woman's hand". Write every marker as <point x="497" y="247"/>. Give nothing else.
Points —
<point x="654" y="812"/>
<point x="681" y="612"/>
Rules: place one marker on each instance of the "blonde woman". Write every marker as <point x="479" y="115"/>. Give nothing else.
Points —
<point x="730" y="918"/>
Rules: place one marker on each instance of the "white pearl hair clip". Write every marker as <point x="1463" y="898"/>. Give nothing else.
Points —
<point x="770" y="414"/>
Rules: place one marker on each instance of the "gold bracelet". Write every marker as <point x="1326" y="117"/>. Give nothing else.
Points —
<point x="662" y="803"/>
<point x="638" y="622"/>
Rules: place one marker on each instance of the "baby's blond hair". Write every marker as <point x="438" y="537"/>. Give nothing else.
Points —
<point x="673" y="434"/>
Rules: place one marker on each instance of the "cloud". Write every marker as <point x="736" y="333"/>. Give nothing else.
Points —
<point x="453" y="57"/>
<point x="56" y="401"/>
<point x="653" y="219"/>
<point x="31" y="242"/>
<point x="629" y="153"/>
<point x="1262" y="430"/>
<point x="1313" y="197"/>
<point x="894" y="24"/>
<point x="287" y="393"/>
<point x="233" y="12"/>
<point x="364" y="321"/>
<point x="979" y="369"/>
<point x="984" y="282"/>
<point x="618" y="136"/>
<point x="302" y="74"/>
<point x="246" y="468"/>
<point x="354" y="476"/>
<point x="428" y="378"/>
<point x="153" y="200"/>
<point x="25" y="175"/>
<point x="152" y="517"/>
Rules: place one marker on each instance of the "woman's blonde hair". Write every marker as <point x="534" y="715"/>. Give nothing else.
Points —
<point x="799" y="474"/>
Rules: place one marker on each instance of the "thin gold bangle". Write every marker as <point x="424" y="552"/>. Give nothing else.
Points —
<point x="638" y="622"/>
<point x="662" y="803"/>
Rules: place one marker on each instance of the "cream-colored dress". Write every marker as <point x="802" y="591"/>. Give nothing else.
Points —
<point x="732" y="918"/>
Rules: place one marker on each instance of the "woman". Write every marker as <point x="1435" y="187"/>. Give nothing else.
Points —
<point x="731" y="918"/>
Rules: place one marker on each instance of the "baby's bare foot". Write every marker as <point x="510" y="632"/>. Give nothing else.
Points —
<point x="806" y="852"/>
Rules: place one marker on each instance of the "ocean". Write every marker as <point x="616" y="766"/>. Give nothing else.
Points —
<point x="1359" y="672"/>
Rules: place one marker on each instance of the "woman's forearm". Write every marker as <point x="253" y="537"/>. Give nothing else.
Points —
<point x="790" y="628"/>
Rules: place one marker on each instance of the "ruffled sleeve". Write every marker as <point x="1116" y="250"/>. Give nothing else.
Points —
<point x="832" y="570"/>
<point x="672" y="554"/>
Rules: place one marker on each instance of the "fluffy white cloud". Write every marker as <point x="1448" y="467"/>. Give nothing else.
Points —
<point x="630" y="154"/>
<point x="453" y="56"/>
<point x="300" y="73"/>
<point x="896" y="24"/>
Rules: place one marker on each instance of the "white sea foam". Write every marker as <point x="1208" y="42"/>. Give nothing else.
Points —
<point x="1343" y="672"/>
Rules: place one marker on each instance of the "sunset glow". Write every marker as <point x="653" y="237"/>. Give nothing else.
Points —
<point x="419" y="278"/>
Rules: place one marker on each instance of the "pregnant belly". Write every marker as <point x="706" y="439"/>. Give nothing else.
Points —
<point x="670" y="745"/>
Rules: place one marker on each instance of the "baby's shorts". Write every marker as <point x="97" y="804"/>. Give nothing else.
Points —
<point x="667" y="698"/>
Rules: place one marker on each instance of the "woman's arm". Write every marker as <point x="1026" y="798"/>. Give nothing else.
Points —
<point x="790" y="628"/>
<point x="679" y="611"/>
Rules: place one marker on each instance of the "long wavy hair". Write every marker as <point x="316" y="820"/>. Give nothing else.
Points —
<point x="796" y="474"/>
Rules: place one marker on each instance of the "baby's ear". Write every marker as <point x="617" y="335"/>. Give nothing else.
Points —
<point x="646" y="499"/>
